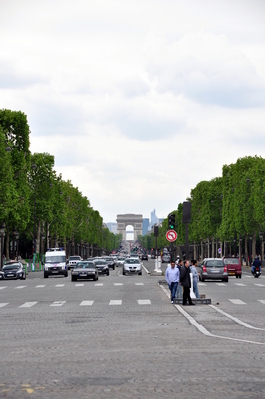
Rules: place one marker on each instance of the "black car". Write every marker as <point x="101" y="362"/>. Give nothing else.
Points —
<point x="144" y="256"/>
<point x="13" y="270"/>
<point x="102" y="266"/>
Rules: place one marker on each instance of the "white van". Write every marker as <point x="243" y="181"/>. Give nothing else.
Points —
<point x="55" y="262"/>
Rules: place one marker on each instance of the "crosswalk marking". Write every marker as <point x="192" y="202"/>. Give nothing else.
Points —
<point x="144" y="302"/>
<point x="237" y="301"/>
<point x="58" y="303"/>
<point x="240" y="284"/>
<point x="115" y="302"/>
<point x="118" y="283"/>
<point x="40" y="286"/>
<point x="202" y="284"/>
<point x="3" y="304"/>
<point x="139" y="283"/>
<point x="20" y="286"/>
<point x="2" y="288"/>
<point x="221" y="284"/>
<point x="260" y="285"/>
<point x="98" y="284"/>
<point x="28" y="304"/>
<point x="86" y="303"/>
<point x="60" y="285"/>
<point x="79" y="285"/>
<point x="262" y="301"/>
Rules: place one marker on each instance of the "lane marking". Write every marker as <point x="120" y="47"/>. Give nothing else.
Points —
<point x="260" y="285"/>
<point x="115" y="302"/>
<point x="86" y="303"/>
<point x="139" y="283"/>
<point x="40" y="286"/>
<point x="240" y="284"/>
<point x="237" y="301"/>
<point x="28" y="304"/>
<point x="202" y="329"/>
<point x="2" y="288"/>
<point x="201" y="284"/>
<point x="144" y="302"/>
<point x="263" y="302"/>
<point x="242" y="323"/>
<point x="60" y="285"/>
<point x="221" y="284"/>
<point x="58" y="303"/>
<point x="79" y="285"/>
<point x="118" y="283"/>
<point x="98" y="284"/>
<point x="3" y="304"/>
<point x="21" y="286"/>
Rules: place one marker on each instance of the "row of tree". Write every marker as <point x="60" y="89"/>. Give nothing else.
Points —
<point x="227" y="213"/>
<point x="38" y="204"/>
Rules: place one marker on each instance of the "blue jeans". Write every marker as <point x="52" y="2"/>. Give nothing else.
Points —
<point x="179" y="291"/>
<point x="173" y="289"/>
<point x="195" y="288"/>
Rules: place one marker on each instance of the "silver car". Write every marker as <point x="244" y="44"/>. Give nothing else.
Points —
<point x="213" y="269"/>
<point x="132" y="266"/>
<point x="84" y="270"/>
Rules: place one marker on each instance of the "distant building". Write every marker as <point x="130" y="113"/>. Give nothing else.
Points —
<point x="154" y="219"/>
<point x="145" y="226"/>
<point x="112" y="227"/>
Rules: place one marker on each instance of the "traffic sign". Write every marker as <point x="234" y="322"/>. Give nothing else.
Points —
<point x="171" y="235"/>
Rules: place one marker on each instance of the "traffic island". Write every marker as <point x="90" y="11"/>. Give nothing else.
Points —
<point x="198" y="301"/>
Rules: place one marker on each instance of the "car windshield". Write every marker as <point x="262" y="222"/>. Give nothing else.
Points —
<point x="100" y="262"/>
<point x="214" y="263"/>
<point x="11" y="267"/>
<point x="54" y="259"/>
<point x="231" y="261"/>
<point x="131" y="261"/>
<point x="74" y="257"/>
<point x="86" y="265"/>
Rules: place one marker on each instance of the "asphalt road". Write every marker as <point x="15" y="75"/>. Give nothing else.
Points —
<point x="120" y="337"/>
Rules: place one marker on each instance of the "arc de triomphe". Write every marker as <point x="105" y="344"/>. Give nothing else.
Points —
<point x="130" y="219"/>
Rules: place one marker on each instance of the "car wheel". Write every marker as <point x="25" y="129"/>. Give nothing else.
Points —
<point x="240" y="276"/>
<point x="25" y="277"/>
<point x="226" y="280"/>
<point x="140" y="273"/>
<point x="45" y="275"/>
<point x="202" y="279"/>
<point x="108" y="273"/>
<point x="123" y="272"/>
<point x="95" y="278"/>
<point x="113" y="267"/>
<point x="73" y="278"/>
<point x="66" y="274"/>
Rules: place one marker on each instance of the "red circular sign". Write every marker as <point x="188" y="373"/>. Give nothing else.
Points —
<point x="171" y="235"/>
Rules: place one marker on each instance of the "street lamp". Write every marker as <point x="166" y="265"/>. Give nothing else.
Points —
<point x="240" y="248"/>
<point x="261" y="246"/>
<point x="34" y="167"/>
<point x="250" y="252"/>
<point x="17" y="238"/>
<point x="2" y="235"/>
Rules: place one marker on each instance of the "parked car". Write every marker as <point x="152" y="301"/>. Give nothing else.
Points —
<point x="72" y="261"/>
<point x="144" y="256"/>
<point x="233" y="265"/>
<point x="84" y="270"/>
<point x="102" y="266"/>
<point x="132" y="266"/>
<point x="212" y="269"/>
<point x="13" y="270"/>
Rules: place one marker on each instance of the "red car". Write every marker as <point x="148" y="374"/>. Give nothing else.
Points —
<point x="233" y="265"/>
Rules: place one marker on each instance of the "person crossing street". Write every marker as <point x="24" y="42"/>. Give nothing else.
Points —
<point x="172" y="278"/>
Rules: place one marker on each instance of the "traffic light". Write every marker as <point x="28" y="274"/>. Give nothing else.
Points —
<point x="171" y="221"/>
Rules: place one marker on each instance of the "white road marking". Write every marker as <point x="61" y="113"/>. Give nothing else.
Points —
<point x="3" y="304"/>
<point x="242" y="323"/>
<point x="58" y="303"/>
<point x="2" y="288"/>
<point x="86" y="303"/>
<point x="79" y="285"/>
<point x="40" y="286"/>
<point x="98" y="284"/>
<point x="263" y="302"/>
<point x="28" y="304"/>
<point x="144" y="302"/>
<point x="139" y="283"/>
<point x="260" y="285"/>
<point x="115" y="302"/>
<point x="202" y="284"/>
<point x="60" y="285"/>
<point x="221" y="284"/>
<point x="237" y="301"/>
<point x="21" y="286"/>
<point x="240" y="284"/>
<point x="118" y="283"/>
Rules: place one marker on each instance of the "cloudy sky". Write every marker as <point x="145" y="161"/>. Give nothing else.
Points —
<point x="138" y="100"/>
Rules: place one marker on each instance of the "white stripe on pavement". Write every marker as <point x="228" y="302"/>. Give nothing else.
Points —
<point x="2" y="288"/>
<point x="58" y="303"/>
<point x="139" y="283"/>
<point x="240" y="284"/>
<point x="237" y="301"/>
<point x="40" y="286"/>
<point x="79" y="285"/>
<point x="60" y="285"/>
<point x="98" y="284"/>
<point x="21" y="286"/>
<point x="115" y="302"/>
<point x="86" y="303"/>
<point x="28" y="304"/>
<point x="3" y="304"/>
<point x="144" y="302"/>
<point x="118" y="283"/>
<point x="260" y="285"/>
<point x="262" y="301"/>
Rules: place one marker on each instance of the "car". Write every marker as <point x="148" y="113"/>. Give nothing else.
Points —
<point x="110" y="261"/>
<point x="84" y="270"/>
<point x="166" y="258"/>
<point x="233" y="265"/>
<point x="120" y="261"/>
<point x="213" y="269"/>
<point x="13" y="270"/>
<point x="72" y="261"/>
<point x="144" y="256"/>
<point x="55" y="263"/>
<point x="132" y="266"/>
<point x="102" y="266"/>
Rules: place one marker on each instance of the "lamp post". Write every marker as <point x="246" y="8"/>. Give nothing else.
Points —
<point x="34" y="167"/>
<point x="17" y="238"/>
<point x="261" y="246"/>
<point x="240" y="249"/>
<point x="234" y="240"/>
<point x="250" y="252"/>
<point x="2" y="235"/>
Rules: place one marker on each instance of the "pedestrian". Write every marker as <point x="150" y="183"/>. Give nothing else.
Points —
<point x="172" y="278"/>
<point x="179" y="287"/>
<point x="186" y="283"/>
<point x="195" y="277"/>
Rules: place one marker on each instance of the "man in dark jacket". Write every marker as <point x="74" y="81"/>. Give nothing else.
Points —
<point x="186" y="283"/>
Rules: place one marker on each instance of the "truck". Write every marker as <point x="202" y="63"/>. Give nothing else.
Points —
<point x="55" y="262"/>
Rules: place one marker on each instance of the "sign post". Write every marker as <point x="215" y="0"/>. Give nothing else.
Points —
<point x="171" y="236"/>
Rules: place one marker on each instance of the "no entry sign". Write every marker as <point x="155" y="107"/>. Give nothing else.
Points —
<point x="171" y="235"/>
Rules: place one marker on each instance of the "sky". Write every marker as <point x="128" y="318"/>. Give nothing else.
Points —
<point x="138" y="100"/>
